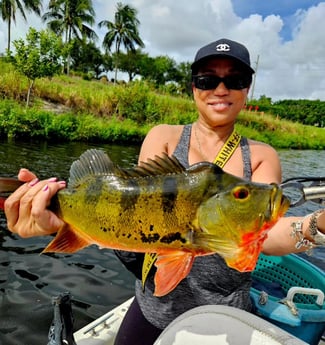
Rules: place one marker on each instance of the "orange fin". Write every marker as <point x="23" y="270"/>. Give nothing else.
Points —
<point x="172" y="267"/>
<point x="246" y="262"/>
<point x="247" y="256"/>
<point x="66" y="241"/>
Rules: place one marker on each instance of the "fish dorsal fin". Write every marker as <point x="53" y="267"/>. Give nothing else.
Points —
<point x="159" y="165"/>
<point x="97" y="163"/>
<point x="92" y="162"/>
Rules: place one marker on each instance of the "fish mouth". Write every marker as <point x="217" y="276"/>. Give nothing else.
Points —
<point x="278" y="204"/>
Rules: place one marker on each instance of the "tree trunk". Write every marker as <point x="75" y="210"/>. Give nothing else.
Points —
<point x="69" y="55"/>
<point x="9" y="34"/>
<point x="30" y="87"/>
<point x="117" y="50"/>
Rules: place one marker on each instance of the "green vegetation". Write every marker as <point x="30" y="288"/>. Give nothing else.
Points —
<point x="308" y="112"/>
<point x="71" y="20"/>
<point x="71" y="108"/>
<point x="9" y="9"/>
<point x="123" y="31"/>
<point x="38" y="57"/>
<point x="280" y="133"/>
<point x="80" y="106"/>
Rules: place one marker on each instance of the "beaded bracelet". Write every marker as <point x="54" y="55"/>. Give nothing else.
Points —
<point x="317" y="236"/>
<point x="298" y="235"/>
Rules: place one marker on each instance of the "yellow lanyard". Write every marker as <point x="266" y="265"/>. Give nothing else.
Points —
<point x="221" y="159"/>
<point x="227" y="149"/>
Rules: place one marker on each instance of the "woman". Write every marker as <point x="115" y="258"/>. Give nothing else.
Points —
<point x="222" y="76"/>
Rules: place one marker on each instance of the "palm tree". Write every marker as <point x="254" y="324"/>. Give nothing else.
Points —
<point x="8" y="9"/>
<point x="69" y="18"/>
<point x="123" y="31"/>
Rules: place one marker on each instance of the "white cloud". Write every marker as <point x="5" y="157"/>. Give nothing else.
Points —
<point x="299" y="66"/>
<point x="286" y="69"/>
<point x="18" y="29"/>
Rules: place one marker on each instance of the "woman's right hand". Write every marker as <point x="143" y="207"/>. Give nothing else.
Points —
<point x="26" y="209"/>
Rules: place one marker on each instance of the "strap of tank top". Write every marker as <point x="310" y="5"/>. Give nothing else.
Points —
<point x="246" y="158"/>
<point x="182" y="148"/>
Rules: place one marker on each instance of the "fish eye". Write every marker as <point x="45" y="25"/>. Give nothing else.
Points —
<point x="241" y="193"/>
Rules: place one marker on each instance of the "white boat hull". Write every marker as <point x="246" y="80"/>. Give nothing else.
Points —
<point x="103" y="330"/>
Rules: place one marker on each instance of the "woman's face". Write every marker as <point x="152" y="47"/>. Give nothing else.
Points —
<point x="221" y="104"/>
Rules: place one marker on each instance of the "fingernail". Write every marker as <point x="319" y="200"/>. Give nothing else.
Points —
<point x="63" y="183"/>
<point x="52" y="179"/>
<point x="45" y="188"/>
<point x="33" y="182"/>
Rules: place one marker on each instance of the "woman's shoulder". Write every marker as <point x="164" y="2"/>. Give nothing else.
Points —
<point x="261" y="147"/>
<point x="160" y="138"/>
<point x="266" y="165"/>
<point x="164" y="127"/>
<point x="165" y="131"/>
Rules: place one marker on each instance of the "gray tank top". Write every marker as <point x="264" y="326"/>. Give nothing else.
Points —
<point x="210" y="281"/>
<point x="181" y="151"/>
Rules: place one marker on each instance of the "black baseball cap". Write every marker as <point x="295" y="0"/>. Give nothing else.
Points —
<point x="223" y="48"/>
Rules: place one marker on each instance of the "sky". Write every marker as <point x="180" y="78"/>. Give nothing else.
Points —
<point x="286" y="38"/>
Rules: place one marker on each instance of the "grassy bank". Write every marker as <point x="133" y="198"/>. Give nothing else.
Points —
<point x="69" y="108"/>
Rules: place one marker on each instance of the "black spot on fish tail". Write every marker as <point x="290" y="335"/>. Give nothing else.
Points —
<point x="151" y="238"/>
<point x="173" y="237"/>
<point x="169" y="194"/>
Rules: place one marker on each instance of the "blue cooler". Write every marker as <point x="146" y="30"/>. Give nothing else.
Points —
<point x="289" y="292"/>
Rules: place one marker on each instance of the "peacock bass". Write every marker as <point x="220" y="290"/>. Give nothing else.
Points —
<point x="161" y="207"/>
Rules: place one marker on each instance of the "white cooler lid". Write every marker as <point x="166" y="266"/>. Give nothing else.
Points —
<point x="216" y="324"/>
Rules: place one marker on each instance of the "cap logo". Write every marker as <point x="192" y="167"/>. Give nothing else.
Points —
<point x="223" y="47"/>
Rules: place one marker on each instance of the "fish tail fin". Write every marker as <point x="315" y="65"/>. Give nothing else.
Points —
<point x="172" y="267"/>
<point x="67" y="240"/>
<point x="7" y="186"/>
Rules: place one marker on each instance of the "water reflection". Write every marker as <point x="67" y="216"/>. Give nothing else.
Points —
<point x="55" y="159"/>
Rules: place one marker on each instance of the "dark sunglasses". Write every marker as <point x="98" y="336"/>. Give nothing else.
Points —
<point x="210" y="82"/>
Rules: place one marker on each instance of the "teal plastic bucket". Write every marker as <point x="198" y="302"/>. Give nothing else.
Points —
<point x="301" y="310"/>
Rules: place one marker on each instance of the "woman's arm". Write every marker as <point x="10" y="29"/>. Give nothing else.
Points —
<point x="284" y="239"/>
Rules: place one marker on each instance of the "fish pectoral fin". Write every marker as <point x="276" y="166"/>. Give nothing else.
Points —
<point x="172" y="267"/>
<point x="246" y="258"/>
<point x="214" y="244"/>
<point x="66" y="241"/>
